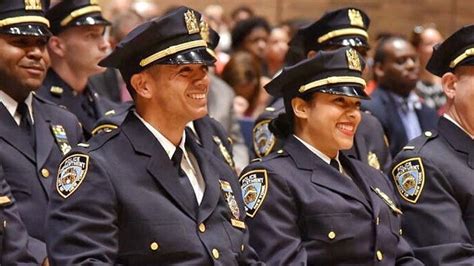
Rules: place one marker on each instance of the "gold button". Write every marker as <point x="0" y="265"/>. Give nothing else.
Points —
<point x="202" y="228"/>
<point x="377" y="220"/>
<point x="401" y="231"/>
<point x="215" y="253"/>
<point x="154" y="246"/>
<point x="379" y="255"/>
<point x="332" y="235"/>
<point x="242" y="248"/>
<point x="280" y="151"/>
<point x="428" y="134"/>
<point x="44" y="172"/>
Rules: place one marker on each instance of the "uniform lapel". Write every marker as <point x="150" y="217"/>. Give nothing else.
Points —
<point x="12" y="134"/>
<point x="159" y="165"/>
<point x="322" y="173"/>
<point x="44" y="141"/>
<point x="211" y="177"/>
<point x="44" y="137"/>
<point x="361" y="177"/>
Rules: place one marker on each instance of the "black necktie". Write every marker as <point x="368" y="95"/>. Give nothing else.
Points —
<point x="334" y="163"/>
<point x="26" y="124"/>
<point x="183" y="178"/>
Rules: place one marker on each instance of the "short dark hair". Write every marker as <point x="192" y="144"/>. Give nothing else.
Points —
<point x="245" y="27"/>
<point x="380" y="51"/>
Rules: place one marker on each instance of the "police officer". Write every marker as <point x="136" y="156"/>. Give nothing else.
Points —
<point x="148" y="193"/>
<point x="434" y="173"/>
<point x="346" y="27"/>
<point x="34" y="133"/>
<point x="207" y="131"/>
<point x="13" y="235"/>
<point x="75" y="51"/>
<point x="309" y="204"/>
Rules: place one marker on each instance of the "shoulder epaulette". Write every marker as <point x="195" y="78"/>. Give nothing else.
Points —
<point x="104" y="128"/>
<point x="416" y="144"/>
<point x="100" y="139"/>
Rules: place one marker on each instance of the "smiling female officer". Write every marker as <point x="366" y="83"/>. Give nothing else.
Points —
<point x="308" y="203"/>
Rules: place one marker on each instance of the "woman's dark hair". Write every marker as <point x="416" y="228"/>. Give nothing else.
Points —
<point x="245" y="27"/>
<point x="283" y="125"/>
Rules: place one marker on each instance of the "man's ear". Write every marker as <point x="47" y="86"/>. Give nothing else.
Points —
<point x="139" y="83"/>
<point x="378" y="70"/>
<point x="56" y="46"/>
<point x="449" y="83"/>
<point x="300" y="107"/>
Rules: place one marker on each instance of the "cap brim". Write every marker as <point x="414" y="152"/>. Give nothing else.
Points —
<point x="349" y="41"/>
<point x="194" y="56"/>
<point x="36" y="30"/>
<point x="90" y="20"/>
<point x="345" y="90"/>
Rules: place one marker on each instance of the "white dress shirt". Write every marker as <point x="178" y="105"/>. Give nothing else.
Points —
<point x="189" y="165"/>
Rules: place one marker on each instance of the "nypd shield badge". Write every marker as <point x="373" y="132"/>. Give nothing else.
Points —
<point x="254" y="185"/>
<point x="72" y="172"/>
<point x="263" y="139"/>
<point x="409" y="177"/>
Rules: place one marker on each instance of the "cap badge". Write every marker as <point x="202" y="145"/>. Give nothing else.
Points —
<point x="94" y="2"/>
<point x="355" y="18"/>
<point x="33" y="5"/>
<point x="191" y="22"/>
<point x="353" y="61"/>
<point x="204" y="31"/>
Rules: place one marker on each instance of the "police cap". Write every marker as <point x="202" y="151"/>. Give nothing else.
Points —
<point x="334" y="72"/>
<point x="71" y="13"/>
<point x="211" y="37"/>
<point x="173" y="39"/>
<point x="342" y="27"/>
<point x="457" y="50"/>
<point x="23" y="17"/>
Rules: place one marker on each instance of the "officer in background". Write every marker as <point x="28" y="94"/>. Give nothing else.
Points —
<point x="434" y="173"/>
<point x="75" y="51"/>
<point x="148" y="193"/>
<point x="309" y="204"/>
<point x="34" y="133"/>
<point x="13" y="235"/>
<point x="346" y="27"/>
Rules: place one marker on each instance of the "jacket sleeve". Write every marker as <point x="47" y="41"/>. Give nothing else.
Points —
<point x="82" y="224"/>
<point x="273" y="227"/>
<point x="14" y="238"/>
<point x="434" y="224"/>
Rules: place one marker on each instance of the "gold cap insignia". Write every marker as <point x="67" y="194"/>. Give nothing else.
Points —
<point x="191" y="22"/>
<point x="33" y="5"/>
<point x="355" y="18"/>
<point x="94" y="2"/>
<point x="353" y="60"/>
<point x="204" y="31"/>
